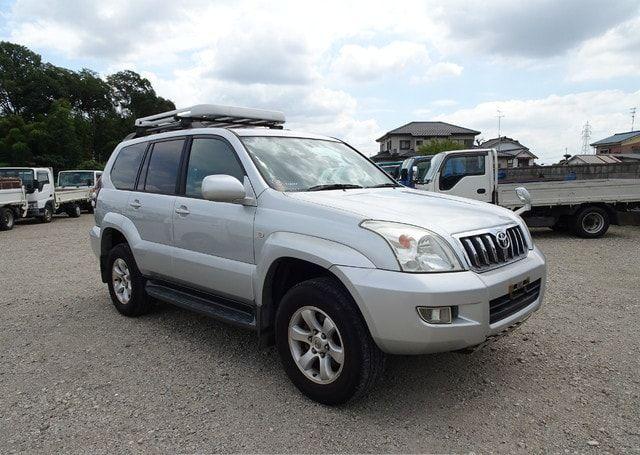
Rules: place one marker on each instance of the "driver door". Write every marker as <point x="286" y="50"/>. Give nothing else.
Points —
<point x="467" y="175"/>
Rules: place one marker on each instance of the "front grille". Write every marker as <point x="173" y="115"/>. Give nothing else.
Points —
<point x="509" y="304"/>
<point x="487" y="250"/>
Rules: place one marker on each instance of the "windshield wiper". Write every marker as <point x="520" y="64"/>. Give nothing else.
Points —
<point x="334" y="186"/>
<point x="385" y="185"/>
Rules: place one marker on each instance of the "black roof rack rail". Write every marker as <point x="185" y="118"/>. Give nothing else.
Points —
<point x="207" y="116"/>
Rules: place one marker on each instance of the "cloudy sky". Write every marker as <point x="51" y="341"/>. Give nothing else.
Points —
<point x="357" y="69"/>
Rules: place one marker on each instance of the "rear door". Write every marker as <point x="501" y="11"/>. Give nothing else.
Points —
<point x="213" y="240"/>
<point x="151" y="206"/>
<point x="467" y="174"/>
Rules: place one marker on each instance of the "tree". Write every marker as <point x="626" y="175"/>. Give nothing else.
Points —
<point x="133" y="95"/>
<point x="438" y="145"/>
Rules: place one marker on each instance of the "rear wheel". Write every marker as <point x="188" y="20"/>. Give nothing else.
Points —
<point x="74" y="211"/>
<point x="126" y="283"/>
<point x="7" y="219"/>
<point x="325" y="346"/>
<point x="591" y="222"/>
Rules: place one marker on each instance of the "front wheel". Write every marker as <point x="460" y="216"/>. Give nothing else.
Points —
<point x="7" y="219"/>
<point x="324" y="344"/>
<point x="47" y="214"/>
<point x="591" y="222"/>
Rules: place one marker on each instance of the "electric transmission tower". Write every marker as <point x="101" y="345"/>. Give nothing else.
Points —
<point x="586" y="136"/>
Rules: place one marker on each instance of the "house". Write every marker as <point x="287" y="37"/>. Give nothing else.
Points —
<point x="619" y="143"/>
<point x="590" y="159"/>
<point x="404" y="141"/>
<point x="511" y="153"/>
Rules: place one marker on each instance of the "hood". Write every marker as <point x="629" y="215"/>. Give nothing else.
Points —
<point x="445" y="215"/>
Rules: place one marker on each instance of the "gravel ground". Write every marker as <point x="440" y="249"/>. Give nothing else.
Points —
<point x="75" y="376"/>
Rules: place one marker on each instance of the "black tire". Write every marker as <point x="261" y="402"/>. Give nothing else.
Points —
<point x="591" y="222"/>
<point x="47" y="215"/>
<point x="139" y="302"/>
<point x="7" y="219"/>
<point x="363" y="361"/>
<point x="74" y="211"/>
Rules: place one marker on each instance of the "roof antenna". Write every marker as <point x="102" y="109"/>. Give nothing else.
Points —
<point x="633" y="116"/>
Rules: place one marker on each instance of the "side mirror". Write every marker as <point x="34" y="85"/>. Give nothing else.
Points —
<point x="525" y="198"/>
<point x="223" y="188"/>
<point x="414" y="174"/>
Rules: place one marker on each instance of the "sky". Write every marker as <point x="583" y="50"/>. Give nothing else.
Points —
<point x="356" y="69"/>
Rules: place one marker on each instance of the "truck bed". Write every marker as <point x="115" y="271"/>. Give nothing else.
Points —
<point x="12" y="196"/>
<point x="64" y="196"/>
<point x="572" y="192"/>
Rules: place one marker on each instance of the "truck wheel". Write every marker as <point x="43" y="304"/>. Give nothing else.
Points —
<point x="7" y="219"/>
<point x="591" y="222"/>
<point x="126" y="283"/>
<point x="325" y="346"/>
<point x="74" y="211"/>
<point x="47" y="215"/>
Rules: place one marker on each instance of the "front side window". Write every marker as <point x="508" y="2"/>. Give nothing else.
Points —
<point x="43" y="177"/>
<point x="423" y="167"/>
<point x="125" y="169"/>
<point x="210" y="157"/>
<point x="164" y="165"/>
<point x="300" y="164"/>
<point x="457" y="167"/>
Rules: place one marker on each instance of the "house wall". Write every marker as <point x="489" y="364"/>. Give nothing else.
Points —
<point x="414" y="142"/>
<point x="630" y="146"/>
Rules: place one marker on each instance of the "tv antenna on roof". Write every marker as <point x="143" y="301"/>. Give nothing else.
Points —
<point x="499" y="115"/>
<point x="633" y="116"/>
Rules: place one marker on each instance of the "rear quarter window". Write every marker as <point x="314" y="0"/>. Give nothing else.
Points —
<point x="125" y="170"/>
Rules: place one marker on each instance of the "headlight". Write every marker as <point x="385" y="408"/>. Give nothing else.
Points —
<point x="417" y="249"/>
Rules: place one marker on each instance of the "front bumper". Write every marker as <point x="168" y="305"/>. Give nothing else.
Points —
<point x="388" y="302"/>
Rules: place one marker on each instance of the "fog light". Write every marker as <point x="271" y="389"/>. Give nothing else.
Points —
<point x="436" y="315"/>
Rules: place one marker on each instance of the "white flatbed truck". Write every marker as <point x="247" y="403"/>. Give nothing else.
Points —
<point x="13" y="203"/>
<point x="585" y="199"/>
<point x="43" y="198"/>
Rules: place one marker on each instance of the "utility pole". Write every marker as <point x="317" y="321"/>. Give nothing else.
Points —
<point x="633" y="116"/>
<point x="586" y="136"/>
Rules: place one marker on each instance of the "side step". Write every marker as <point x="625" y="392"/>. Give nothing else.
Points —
<point x="225" y="310"/>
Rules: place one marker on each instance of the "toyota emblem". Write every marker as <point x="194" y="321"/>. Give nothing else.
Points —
<point x="503" y="240"/>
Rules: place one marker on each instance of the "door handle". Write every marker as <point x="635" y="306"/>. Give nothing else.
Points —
<point x="135" y="204"/>
<point x="481" y="191"/>
<point x="182" y="210"/>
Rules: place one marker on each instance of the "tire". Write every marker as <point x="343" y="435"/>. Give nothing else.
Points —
<point x="47" y="215"/>
<point x="138" y="302"/>
<point x="7" y="219"/>
<point x="74" y="211"/>
<point x="591" y="222"/>
<point x="362" y="361"/>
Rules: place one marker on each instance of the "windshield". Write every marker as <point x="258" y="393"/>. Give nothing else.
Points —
<point x="81" y="178"/>
<point x="299" y="164"/>
<point x="26" y="175"/>
<point x="434" y="166"/>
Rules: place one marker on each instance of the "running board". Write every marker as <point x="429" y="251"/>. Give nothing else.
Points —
<point x="219" y="308"/>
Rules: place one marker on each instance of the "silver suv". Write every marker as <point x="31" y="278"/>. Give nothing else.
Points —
<point x="303" y="240"/>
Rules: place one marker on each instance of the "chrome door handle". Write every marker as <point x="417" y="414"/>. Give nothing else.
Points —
<point x="135" y="204"/>
<point x="182" y="210"/>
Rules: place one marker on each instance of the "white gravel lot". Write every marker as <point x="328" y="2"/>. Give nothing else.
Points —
<point x="75" y="376"/>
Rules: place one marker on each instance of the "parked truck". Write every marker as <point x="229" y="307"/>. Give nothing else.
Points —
<point x="585" y="199"/>
<point x="42" y="197"/>
<point x="73" y="179"/>
<point x="13" y="202"/>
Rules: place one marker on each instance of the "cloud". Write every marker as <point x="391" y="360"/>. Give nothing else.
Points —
<point x="538" y="29"/>
<point x="615" y="53"/>
<point x="438" y="71"/>
<point x="548" y="125"/>
<point x="364" y="64"/>
<point x="444" y="103"/>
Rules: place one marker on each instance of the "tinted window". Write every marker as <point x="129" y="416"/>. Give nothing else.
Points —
<point x="125" y="169"/>
<point x="210" y="157"/>
<point x="162" y="173"/>
<point x="457" y="167"/>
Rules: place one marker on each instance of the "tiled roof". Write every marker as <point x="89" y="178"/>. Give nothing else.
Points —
<point x="616" y="138"/>
<point x="430" y="129"/>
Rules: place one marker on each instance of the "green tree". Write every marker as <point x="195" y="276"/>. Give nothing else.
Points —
<point x="438" y="145"/>
<point x="133" y="96"/>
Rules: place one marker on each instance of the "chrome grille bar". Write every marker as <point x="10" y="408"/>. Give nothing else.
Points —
<point x="485" y="251"/>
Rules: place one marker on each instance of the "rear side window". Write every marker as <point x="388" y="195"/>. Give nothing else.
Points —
<point x="125" y="169"/>
<point x="164" y="166"/>
<point x="210" y="157"/>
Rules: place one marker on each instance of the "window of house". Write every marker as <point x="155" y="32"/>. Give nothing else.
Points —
<point x="405" y="145"/>
<point x="162" y="173"/>
<point x="210" y="156"/>
<point x="388" y="146"/>
<point x="418" y="143"/>
<point x="125" y="169"/>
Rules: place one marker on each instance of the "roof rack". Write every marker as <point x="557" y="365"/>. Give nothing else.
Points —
<point x="207" y="116"/>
